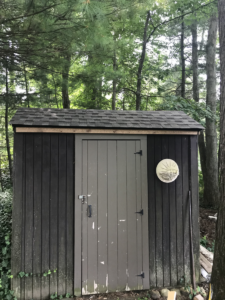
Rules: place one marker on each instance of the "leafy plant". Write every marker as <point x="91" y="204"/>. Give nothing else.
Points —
<point x="205" y="243"/>
<point x="5" y="244"/>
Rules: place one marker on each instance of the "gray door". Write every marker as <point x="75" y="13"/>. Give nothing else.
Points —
<point x="114" y="236"/>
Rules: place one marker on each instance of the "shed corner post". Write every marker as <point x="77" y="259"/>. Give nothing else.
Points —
<point x="16" y="251"/>
<point x="195" y="202"/>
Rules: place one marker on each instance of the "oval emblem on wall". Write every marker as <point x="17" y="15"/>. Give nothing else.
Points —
<point x="167" y="170"/>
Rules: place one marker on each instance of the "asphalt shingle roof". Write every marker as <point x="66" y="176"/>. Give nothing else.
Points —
<point x="44" y="117"/>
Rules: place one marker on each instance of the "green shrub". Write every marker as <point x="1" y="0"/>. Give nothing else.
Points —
<point x="5" y="245"/>
<point x="201" y="187"/>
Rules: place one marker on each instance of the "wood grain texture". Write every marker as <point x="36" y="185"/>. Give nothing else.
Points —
<point x="69" y="221"/>
<point x="40" y="167"/>
<point x="45" y="245"/>
<point x="37" y="215"/>
<point x="186" y="207"/>
<point x="112" y="216"/>
<point x="62" y="207"/>
<point x="102" y="131"/>
<point x="102" y="215"/>
<point x="54" y="198"/>
<point x="166" y="218"/>
<point x="173" y="219"/>
<point x="29" y="210"/>
<point x="17" y="216"/>
<point x="145" y="219"/>
<point x="152" y="209"/>
<point x="195" y="202"/>
<point x="169" y="240"/>
<point x="159" y="214"/>
<point x="122" y="214"/>
<point x="179" y="211"/>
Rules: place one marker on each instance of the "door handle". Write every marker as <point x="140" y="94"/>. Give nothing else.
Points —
<point x="89" y="211"/>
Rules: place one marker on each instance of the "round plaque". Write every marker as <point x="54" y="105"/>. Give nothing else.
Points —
<point x="167" y="170"/>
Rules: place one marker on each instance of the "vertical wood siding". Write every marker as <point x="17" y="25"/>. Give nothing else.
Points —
<point x="169" y="238"/>
<point x="43" y="223"/>
<point x="43" y="213"/>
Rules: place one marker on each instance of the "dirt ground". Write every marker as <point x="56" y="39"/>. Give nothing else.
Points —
<point x="207" y="226"/>
<point x="207" y="229"/>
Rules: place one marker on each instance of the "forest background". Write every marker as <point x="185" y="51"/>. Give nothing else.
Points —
<point x="123" y="55"/>
<point x="112" y="54"/>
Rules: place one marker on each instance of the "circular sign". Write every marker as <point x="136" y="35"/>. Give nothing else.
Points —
<point x="167" y="170"/>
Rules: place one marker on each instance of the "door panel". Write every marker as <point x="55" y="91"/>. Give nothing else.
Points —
<point x="112" y="245"/>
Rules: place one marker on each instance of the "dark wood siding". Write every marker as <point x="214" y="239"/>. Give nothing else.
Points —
<point x="43" y="223"/>
<point x="169" y="238"/>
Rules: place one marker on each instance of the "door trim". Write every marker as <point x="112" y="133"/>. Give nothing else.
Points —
<point x="78" y="205"/>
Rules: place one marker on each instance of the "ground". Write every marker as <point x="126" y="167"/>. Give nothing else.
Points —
<point x="207" y="227"/>
<point x="207" y="235"/>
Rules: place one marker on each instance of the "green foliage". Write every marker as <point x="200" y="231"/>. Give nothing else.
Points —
<point x="201" y="186"/>
<point x="195" y="292"/>
<point x="47" y="273"/>
<point x="58" y="297"/>
<point x="204" y="242"/>
<point x="5" y="245"/>
<point x="197" y="111"/>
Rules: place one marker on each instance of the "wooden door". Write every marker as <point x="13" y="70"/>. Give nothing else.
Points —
<point x="111" y="214"/>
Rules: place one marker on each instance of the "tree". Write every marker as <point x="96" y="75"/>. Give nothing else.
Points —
<point x="218" y="272"/>
<point x="211" y="190"/>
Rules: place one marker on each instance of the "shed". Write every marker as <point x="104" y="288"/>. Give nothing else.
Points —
<point x="90" y="206"/>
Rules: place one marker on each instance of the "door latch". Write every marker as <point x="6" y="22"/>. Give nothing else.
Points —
<point x="140" y="152"/>
<point x="82" y="197"/>
<point x="141" y="212"/>
<point x="142" y="275"/>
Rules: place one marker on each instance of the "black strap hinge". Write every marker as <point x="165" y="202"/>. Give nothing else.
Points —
<point x="142" y="275"/>
<point x="141" y="212"/>
<point x="140" y="152"/>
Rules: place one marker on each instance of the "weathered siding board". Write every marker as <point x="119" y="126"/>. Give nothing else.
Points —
<point x="43" y="210"/>
<point x="45" y="214"/>
<point x="70" y="213"/>
<point x="186" y="187"/>
<point x="169" y="237"/>
<point x="29" y="214"/>
<point x="17" y="212"/>
<point x="158" y="214"/>
<point x="37" y="215"/>
<point x="166" y="218"/>
<point x="151" y="209"/>
<point x="173" y="219"/>
<point x="195" y="202"/>
<point x="179" y="211"/>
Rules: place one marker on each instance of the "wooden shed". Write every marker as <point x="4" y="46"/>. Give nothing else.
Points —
<point x="90" y="206"/>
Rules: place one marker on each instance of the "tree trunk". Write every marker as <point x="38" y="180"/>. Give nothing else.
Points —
<point x="183" y="78"/>
<point x="201" y="138"/>
<point x="26" y="84"/>
<point x="195" y="62"/>
<point x="65" y="82"/>
<point x="211" y="187"/>
<point x="218" y="272"/>
<point x="114" y="84"/>
<point x="141" y="63"/>
<point x="6" y="126"/>
<point x="1" y="181"/>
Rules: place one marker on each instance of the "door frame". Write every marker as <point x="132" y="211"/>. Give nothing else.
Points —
<point x="78" y="204"/>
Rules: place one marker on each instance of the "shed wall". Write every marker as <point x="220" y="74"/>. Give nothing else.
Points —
<point x="43" y="213"/>
<point x="43" y="225"/>
<point x="169" y="236"/>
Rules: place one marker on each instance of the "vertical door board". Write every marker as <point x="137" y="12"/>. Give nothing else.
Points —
<point x="102" y="216"/>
